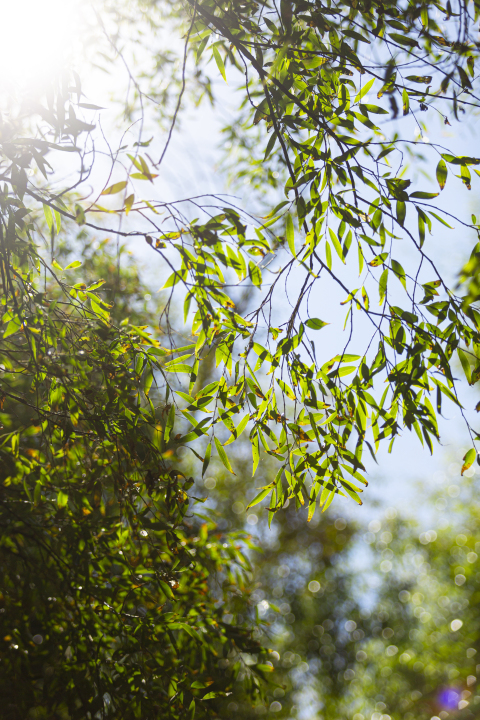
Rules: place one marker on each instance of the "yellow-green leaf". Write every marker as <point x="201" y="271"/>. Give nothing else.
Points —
<point x="129" y="202"/>
<point x="382" y="285"/>
<point x="365" y="297"/>
<point x="219" y="61"/>
<point x="469" y="459"/>
<point x="316" y="324"/>
<point x="115" y="188"/>
<point x="148" y="382"/>
<point x="169" y="424"/>
<point x="238" y="430"/>
<point x="290" y="234"/>
<point x="62" y="499"/>
<point x="465" y="365"/>
<point x="206" y="459"/>
<point x="48" y="216"/>
<point x="255" y="274"/>
<point x="442" y="173"/>
<point x="223" y="455"/>
<point x="286" y="389"/>
<point x="261" y="496"/>
<point x="378" y="260"/>
<point x="13" y="326"/>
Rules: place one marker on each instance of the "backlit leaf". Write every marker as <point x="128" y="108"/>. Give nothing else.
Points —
<point x="468" y="460"/>
<point x="115" y="188"/>
<point x="315" y="324"/>
<point x="223" y="455"/>
<point x="442" y="173"/>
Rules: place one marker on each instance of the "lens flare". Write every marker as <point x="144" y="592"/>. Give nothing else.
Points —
<point x="449" y="698"/>
<point x="37" y="40"/>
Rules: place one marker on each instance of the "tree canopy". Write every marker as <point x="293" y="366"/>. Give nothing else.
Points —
<point x="101" y="393"/>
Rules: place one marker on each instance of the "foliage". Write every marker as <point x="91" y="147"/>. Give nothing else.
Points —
<point x="111" y="590"/>
<point x="114" y="596"/>
<point x="308" y="122"/>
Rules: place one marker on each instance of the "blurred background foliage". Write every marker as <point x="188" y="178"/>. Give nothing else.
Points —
<point x="373" y="621"/>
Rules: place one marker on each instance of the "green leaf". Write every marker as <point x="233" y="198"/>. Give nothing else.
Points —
<point x="96" y="285"/>
<point x="315" y="324"/>
<point x="219" y="61"/>
<point x="13" y="326"/>
<point x="351" y="492"/>
<point x="263" y="667"/>
<point x="328" y="255"/>
<point x="315" y="62"/>
<point x="206" y="459"/>
<point x="255" y="274"/>
<point x="469" y="459"/>
<point x="73" y="265"/>
<point x="406" y="102"/>
<point x="128" y="203"/>
<point x="223" y="455"/>
<point x="169" y="424"/>
<point x="148" y="382"/>
<point x="382" y="285"/>
<point x="166" y="589"/>
<point x="460" y="159"/>
<point x="270" y="145"/>
<point x="403" y="40"/>
<point x="238" y="430"/>
<point x="80" y="218"/>
<point x="62" y="499"/>
<point x="422" y="79"/>
<point x="261" y="496"/>
<point x="442" y="173"/>
<point x="399" y="272"/>
<point x="376" y="109"/>
<point x="115" y="188"/>
<point x="144" y="176"/>
<point x="290" y="234"/>
<point x="58" y="220"/>
<point x="37" y="493"/>
<point x="424" y="195"/>
<point x="286" y="389"/>
<point x="440" y="219"/>
<point x="210" y="696"/>
<point x="424" y="16"/>
<point x="368" y="86"/>
<point x="465" y="365"/>
<point x="421" y="226"/>
<point x="336" y="245"/>
<point x="48" y="216"/>
<point x="365" y="297"/>
<point x="378" y="259"/>
<point x="175" y="278"/>
<point x="177" y="362"/>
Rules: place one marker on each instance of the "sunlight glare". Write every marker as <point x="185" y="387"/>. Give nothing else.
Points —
<point x="37" y="40"/>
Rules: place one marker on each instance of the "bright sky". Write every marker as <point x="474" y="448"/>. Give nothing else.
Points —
<point x="37" y="37"/>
